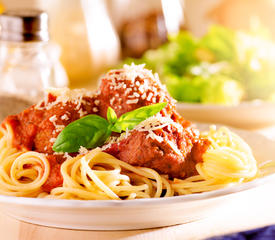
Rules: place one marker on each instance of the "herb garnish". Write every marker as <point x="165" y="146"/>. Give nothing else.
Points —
<point x="92" y="130"/>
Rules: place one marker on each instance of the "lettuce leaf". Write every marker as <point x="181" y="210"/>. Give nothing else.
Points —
<point x="222" y="67"/>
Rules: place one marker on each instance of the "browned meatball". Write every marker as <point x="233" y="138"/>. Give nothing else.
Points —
<point x="130" y="88"/>
<point x="37" y="127"/>
<point x="168" y="150"/>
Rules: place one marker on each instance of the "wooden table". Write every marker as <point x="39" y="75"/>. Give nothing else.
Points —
<point x="248" y="212"/>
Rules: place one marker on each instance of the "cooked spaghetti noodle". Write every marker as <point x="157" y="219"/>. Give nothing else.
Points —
<point x="98" y="175"/>
<point x="22" y="173"/>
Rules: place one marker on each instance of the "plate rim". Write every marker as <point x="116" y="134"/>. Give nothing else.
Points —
<point x="65" y="203"/>
<point x="254" y="103"/>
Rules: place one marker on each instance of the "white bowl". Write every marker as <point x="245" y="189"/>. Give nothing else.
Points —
<point x="247" y="115"/>
<point x="141" y="213"/>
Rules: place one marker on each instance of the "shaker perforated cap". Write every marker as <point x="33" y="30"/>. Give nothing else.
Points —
<point x="24" y="25"/>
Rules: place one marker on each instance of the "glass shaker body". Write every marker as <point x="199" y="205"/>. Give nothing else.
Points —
<point x="26" y="68"/>
<point x="29" y="62"/>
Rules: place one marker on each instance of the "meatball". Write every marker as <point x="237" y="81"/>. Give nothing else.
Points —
<point x="130" y="88"/>
<point x="167" y="149"/>
<point x="37" y="127"/>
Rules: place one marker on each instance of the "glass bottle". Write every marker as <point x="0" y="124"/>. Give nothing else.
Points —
<point x="145" y="24"/>
<point x="29" y="63"/>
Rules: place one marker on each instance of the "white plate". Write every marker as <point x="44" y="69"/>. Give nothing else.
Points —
<point x="247" y="115"/>
<point x="141" y="213"/>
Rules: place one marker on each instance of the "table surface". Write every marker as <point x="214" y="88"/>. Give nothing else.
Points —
<point x="249" y="212"/>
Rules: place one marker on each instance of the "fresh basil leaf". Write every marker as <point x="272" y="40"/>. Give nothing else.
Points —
<point x="130" y="119"/>
<point x="90" y="131"/>
<point x="111" y="115"/>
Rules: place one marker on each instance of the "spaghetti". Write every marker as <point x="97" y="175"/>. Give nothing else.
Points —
<point x="22" y="173"/>
<point x="100" y="176"/>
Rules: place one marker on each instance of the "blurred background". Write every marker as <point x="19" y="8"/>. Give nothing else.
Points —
<point x="207" y="52"/>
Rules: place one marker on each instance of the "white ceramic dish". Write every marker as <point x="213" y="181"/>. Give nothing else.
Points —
<point x="137" y="214"/>
<point x="247" y="115"/>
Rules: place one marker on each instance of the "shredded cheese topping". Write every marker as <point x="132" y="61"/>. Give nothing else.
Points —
<point x="157" y="122"/>
<point x="65" y="95"/>
<point x="149" y="125"/>
<point x="135" y="83"/>
<point x="83" y="150"/>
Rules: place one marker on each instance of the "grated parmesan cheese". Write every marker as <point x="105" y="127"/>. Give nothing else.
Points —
<point x="132" y="101"/>
<point x="128" y="90"/>
<point x="59" y="128"/>
<point x="52" y="140"/>
<point x="152" y="135"/>
<point x="83" y="150"/>
<point x="136" y="94"/>
<point x="157" y="122"/>
<point x="136" y="83"/>
<point x="67" y="156"/>
<point x="65" y="117"/>
<point x="53" y="118"/>
<point x="131" y="96"/>
<point x="97" y="102"/>
<point x="112" y="100"/>
<point x="64" y="95"/>
<point x="174" y="147"/>
<point x="82" y="113"/>
<point x="149" y="96"/>
<point x="149" y="125"/>
<point x="143" y="96"/>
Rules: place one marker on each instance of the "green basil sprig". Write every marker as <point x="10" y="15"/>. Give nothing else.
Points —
<point x="130" y="119"/>
<point x="92" y="130"/>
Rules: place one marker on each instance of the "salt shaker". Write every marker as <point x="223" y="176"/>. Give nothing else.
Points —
<point x="29" y="62"/>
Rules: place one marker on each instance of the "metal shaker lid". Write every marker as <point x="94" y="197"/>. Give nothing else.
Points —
<point x="24" y="25"/>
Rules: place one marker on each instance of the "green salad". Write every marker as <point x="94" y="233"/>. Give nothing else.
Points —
<point x="222" y="67"/>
